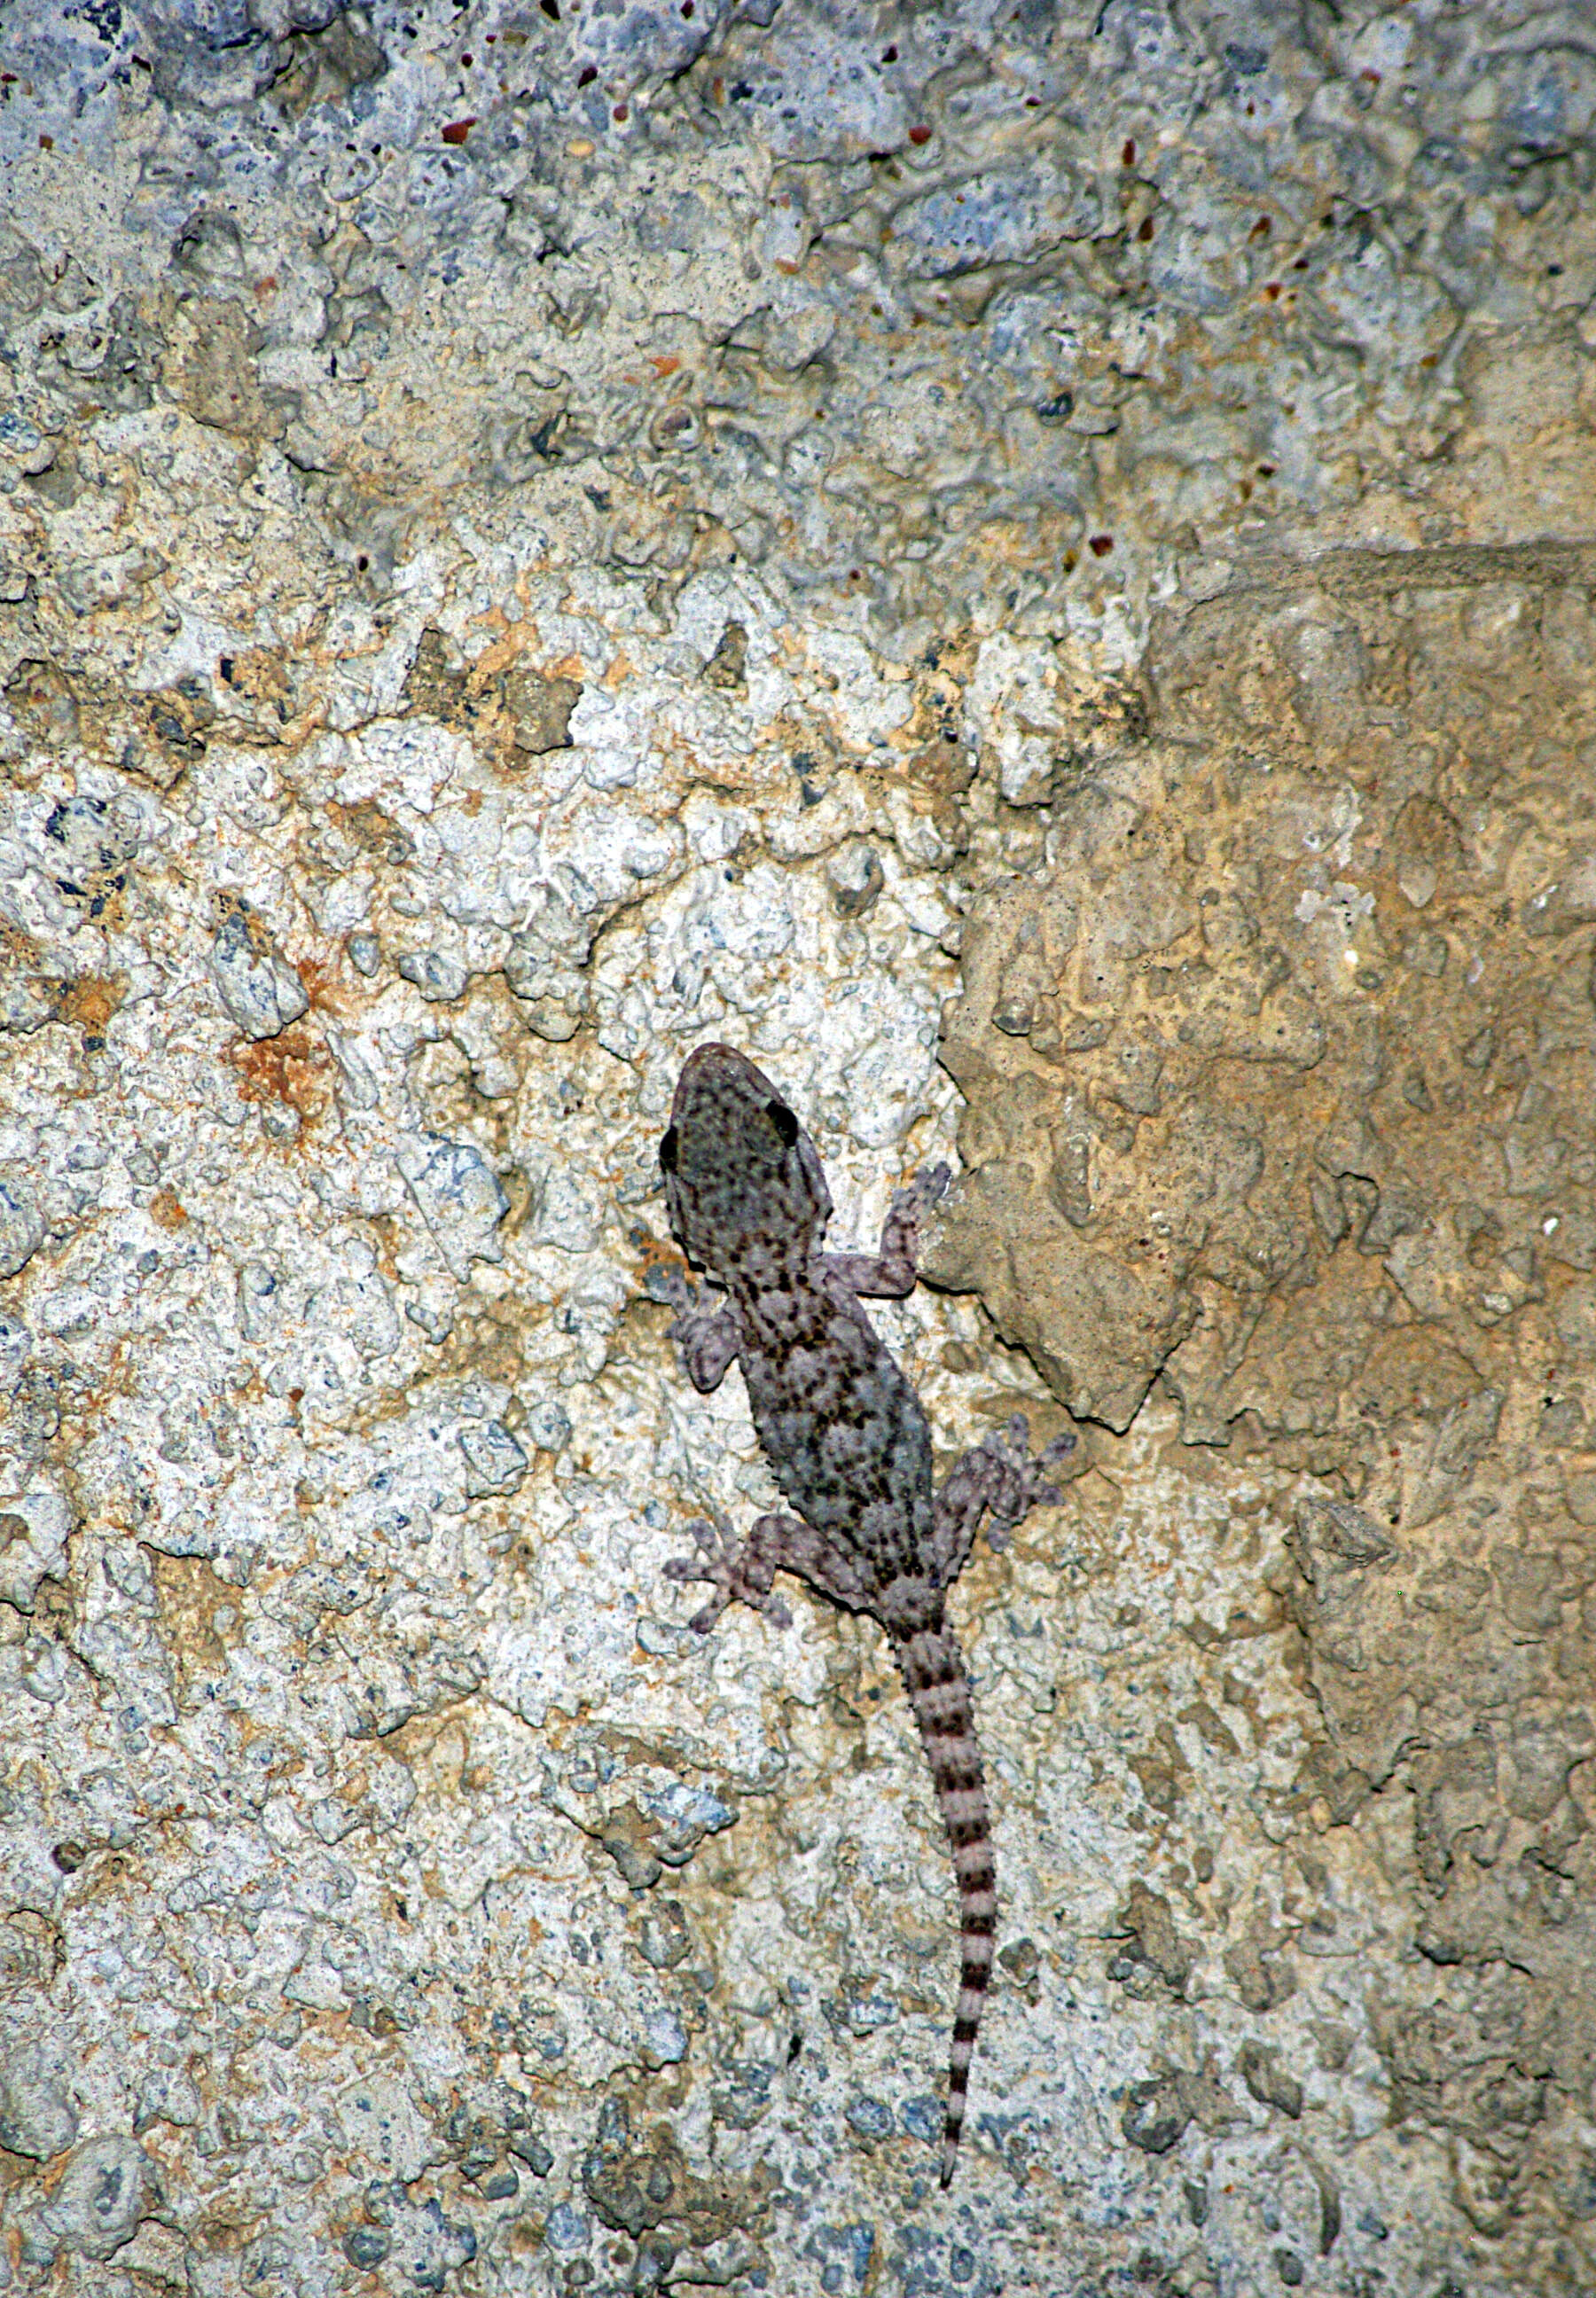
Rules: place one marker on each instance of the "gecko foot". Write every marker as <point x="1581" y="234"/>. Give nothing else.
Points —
<point x="928" y="1186"/>
<point x="738" y="1576"/>
<point x="679" y="1293"/>
<point x="1021" y="1482"/>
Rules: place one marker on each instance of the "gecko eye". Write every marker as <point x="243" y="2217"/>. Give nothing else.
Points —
<point x="667" y="1150"/>
<point x="784" y="1121"/>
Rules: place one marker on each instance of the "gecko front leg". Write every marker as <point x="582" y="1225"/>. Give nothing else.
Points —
<point x="710" y="1337"/>
<point x="997" y="1474"/>
<point x="890" y="1274"/>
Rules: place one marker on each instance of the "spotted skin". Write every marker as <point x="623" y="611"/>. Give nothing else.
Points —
<point x="847" y="1441"/>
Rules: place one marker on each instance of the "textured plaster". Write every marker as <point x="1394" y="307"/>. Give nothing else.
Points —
<point x="1033" y="568"/>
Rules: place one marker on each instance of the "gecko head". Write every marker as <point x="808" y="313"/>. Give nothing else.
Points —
<point x="742" y="1182"/>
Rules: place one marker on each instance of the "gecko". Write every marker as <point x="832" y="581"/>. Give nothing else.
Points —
<point x="846" y="1440"/>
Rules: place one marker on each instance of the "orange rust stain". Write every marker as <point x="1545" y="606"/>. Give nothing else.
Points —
<point x="663" y="363"/>
<point x="502" y="651"/>
<point x="320" y="983"/>
<point x="291" y="1067"/>
<point x="91" y="1000"/>
<point x="165" y="1211"/>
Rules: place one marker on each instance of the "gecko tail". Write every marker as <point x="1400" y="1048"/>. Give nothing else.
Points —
<point x="933" y="1672"/>
<point x="972" y="1987"/>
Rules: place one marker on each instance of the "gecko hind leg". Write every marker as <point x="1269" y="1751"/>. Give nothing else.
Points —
<point x="738" y="1576"/>
<point x="997" y="1476"/>
<point x="743" y="1576"/>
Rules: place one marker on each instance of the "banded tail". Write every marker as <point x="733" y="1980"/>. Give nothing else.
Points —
<point x="932" y="1668"/>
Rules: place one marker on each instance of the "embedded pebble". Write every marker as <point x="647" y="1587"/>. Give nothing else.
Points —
<point x="440" y="978"/>
<point x="107" y="2187"/>
<point x="459" y="1197"/>
<point x="549" y="1425"/>
<point x="22" y="1228"/>
<point x="260" y="989"/>
<point x="494" y="1462"/>
<point x="16" y="1345"/>
<point x="37" y="2116"/>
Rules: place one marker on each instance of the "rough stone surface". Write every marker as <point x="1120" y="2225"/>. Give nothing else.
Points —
<point x="1281" y="1067"/>
<point x="1056" y="537"/>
